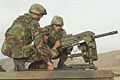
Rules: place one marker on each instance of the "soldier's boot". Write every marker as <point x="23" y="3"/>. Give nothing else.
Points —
<point x="19" y="64"/>
<point x="1" y="69"/>
<point x="91" y="65"/>
<point x="61" y="64"/>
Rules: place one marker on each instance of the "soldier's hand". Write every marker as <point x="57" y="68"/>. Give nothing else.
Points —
<point x="57" y="44"/>
<point x="50" y="66"/>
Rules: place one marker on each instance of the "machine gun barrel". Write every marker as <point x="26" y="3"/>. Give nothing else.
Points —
<point x="105" y="34"/>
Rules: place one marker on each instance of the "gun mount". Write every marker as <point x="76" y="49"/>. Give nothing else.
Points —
<point x="86" y="44"/>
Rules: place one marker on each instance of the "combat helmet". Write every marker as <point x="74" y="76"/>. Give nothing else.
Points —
<point x="37" y="9"/>
<point x="57" y="20"/>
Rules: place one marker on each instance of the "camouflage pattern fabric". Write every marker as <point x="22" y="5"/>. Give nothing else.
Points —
<point x="37" y="9"/>
<point x="60" y="53"/>
<point x="57" y="20"/>
<point x="40" y="64"/>
<point x="56" y="35"/>
<point x="23" y="41"/>
<point x="21" y="36"/>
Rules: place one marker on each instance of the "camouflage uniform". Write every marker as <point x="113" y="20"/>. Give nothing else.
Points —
<point x="23" y="39"/>
<point x="54" y="36"/>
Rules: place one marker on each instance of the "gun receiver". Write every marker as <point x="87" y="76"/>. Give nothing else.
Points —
<point x="86" y="44"/>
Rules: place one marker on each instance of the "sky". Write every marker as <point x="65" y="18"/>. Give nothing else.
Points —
<point x="99" y="16"/>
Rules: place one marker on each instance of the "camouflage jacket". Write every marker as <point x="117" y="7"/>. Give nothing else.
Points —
<point x="19" y="37"/>
<point x="56" y="35"/>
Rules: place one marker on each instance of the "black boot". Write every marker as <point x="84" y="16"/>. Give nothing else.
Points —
<point x="62" y="65"/>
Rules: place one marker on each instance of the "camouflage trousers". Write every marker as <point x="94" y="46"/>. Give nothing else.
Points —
<point x="43" y="55"/>
<point x="30" y="54"/>
<point x="40" y="64"/>
<point x="21" y="52"/>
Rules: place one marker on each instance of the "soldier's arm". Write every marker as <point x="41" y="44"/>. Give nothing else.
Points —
<point x="41" y="36"/>
<point x="58" y="40"/>
<point x="35" y="31"/>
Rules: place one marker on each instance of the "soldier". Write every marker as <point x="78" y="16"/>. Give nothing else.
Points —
<point x="55" y="32"/>
<point x="23" y="39"/>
